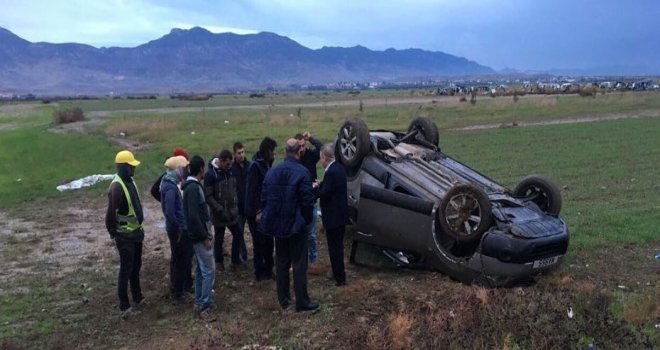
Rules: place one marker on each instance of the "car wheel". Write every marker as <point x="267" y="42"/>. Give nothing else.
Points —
<point x="427" y="128"/>
<point x="542" y="191"/>
<point x="464" y="213"/>
<point x="352" y="143"/>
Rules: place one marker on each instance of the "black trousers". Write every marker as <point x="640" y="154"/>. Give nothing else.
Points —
<point x="243" y="247"/>
<point x="262" y="247"/>
<point x="236" y="242"/>
<point x="130" y="263"/>
<point x="292" y="251"/>
<point x="179" y="248"/>
<point x="336" y="251"/>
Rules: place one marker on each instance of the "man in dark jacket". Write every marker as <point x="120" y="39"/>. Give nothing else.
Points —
<point x="175" y="223"/>
<point x="123" y="220"/>
<point x="288" y="205"/>
<point x="309" y="158"/>
<point x="334" y="206"/>
<point x="197" y="216"/>
<point x="262" y="244"/>
<point x="239" y="168"/>
<point x="220" y="191"/>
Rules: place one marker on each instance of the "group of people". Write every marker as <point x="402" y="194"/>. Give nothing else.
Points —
<point x="200" y="201"/>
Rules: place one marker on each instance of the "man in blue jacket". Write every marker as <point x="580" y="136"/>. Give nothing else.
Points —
<point x="334" y="206"/>
<point x="288" y="205"/>
<point x="175" y="223"/>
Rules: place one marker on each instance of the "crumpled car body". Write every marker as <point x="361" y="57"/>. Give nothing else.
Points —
<point x="428" y="210"/>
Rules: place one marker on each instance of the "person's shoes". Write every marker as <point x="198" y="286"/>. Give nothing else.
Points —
<point x="285" y="304"/>
<point x="207" y="314"/>
<point x="270" y="276"/>
<point x="239" y="264"/>
<point x="184" y="298"/>
<point x="315" y="269"/>
<point x="126" y="314"/>
<point x="219" y="268"/>
<point x="340" y="283"/>
<point x="142" y="304"/>
<point x="312" y="306"/>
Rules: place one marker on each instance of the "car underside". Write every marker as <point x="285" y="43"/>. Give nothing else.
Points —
<point x="425" y="209"/>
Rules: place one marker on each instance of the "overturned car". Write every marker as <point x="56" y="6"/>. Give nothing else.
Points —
<point x="424" y="209"/>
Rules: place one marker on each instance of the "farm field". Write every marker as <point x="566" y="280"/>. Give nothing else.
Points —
<point x="57" y="285"/>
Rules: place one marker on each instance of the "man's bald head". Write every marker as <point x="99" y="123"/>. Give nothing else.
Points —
<point x="292" y="148"/>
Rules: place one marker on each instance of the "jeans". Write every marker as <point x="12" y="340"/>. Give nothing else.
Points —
<point x="313" y="251"/>
<point x="292" y="252"/>
<point x="130" y="262"/>
<point x="178" y="250"/>
<point x="262" y="247"/>
<point x="237" y="241"/>
<point x="204" y="276"/>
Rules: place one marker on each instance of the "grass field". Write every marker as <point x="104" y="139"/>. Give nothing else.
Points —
<point x="57" y="286"/>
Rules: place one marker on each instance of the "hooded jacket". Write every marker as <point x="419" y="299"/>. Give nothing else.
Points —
<point x="172" y="203"/>
<point x="220" y="193"/>
<point x="118" y="204"/>
<point x="196" y="211"/>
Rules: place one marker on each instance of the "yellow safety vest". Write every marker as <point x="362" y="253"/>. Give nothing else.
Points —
<point x="127" y="223"/>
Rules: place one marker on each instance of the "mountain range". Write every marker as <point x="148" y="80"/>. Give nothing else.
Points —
<point x="197" y="60"/>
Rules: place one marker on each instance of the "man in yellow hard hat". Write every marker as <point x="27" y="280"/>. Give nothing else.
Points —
<point x="124" y="223"/>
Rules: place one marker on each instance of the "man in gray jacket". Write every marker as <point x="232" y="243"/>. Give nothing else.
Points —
<point x="198" y="222"/>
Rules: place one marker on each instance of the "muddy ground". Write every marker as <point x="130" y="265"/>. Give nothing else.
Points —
<point x="69" y="251"/>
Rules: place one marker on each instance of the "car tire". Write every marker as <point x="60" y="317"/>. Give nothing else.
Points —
<point x="542" y="191"/>
<point x="352" y="143"/>
<point x="465" y="213"/>
<point x="428" y="129"/>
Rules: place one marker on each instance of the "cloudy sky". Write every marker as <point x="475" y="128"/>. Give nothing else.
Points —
<point x="520" y="34"/>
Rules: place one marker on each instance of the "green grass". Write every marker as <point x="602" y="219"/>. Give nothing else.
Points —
<point x="607" y="172"/>
<point x="34" y="161"/>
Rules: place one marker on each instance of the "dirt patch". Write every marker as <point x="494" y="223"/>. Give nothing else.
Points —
<point x="8" y="127"/>
<point x="654" y="113"/>
<point x="65" y="237"/>
<point x="18" y="109"/>
<point x="81" y="127"/>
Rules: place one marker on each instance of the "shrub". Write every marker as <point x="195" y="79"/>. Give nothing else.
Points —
<point x="68" y="116"/>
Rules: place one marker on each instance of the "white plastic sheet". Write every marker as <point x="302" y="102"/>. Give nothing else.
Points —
<point x="84" y="182"/>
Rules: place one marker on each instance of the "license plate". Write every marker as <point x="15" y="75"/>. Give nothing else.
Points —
<point x="541" y="263"/>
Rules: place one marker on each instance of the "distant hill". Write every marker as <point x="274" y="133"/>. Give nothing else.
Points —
<point x="197" y="60"/>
